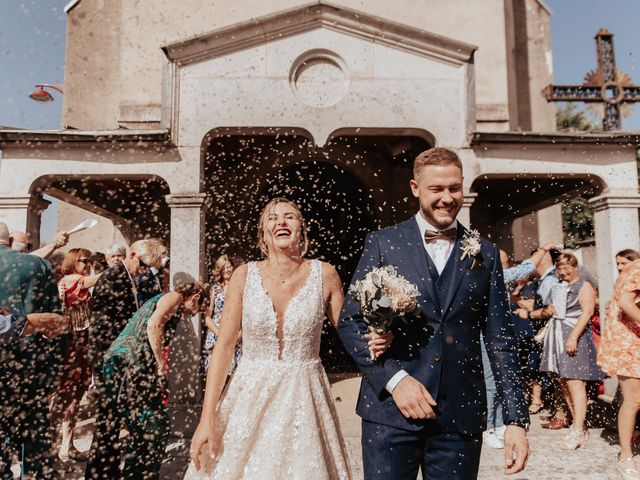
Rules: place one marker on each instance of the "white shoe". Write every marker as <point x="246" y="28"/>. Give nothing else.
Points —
<point x="575" y="439"/>
<point x="628" y="469"/>
<point x="499" y="431"/>
<point x="492" y="440"/>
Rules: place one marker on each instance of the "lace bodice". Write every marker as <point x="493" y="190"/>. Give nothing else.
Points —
<point x="302" y="323"/>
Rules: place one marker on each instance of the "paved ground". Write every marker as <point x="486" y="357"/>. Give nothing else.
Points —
<point x="596" y="461"/>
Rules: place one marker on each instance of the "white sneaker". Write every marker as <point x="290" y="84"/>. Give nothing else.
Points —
<point x="492" y="440"/>
<point x="499" y="431"/>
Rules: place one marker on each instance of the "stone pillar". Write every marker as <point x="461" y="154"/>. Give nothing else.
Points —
<point x="615" y="218"/>
<point x="187" y="256"/>
<point x="23" y="213"/>
<point x="464" y="217"/>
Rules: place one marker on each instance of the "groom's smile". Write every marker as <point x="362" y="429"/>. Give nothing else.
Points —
<point x="438" y="189"/>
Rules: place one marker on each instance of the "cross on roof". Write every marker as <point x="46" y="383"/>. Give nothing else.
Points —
<point x="604" y="85"/>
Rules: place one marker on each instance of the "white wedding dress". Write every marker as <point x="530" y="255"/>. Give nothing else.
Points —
<point x="277" y="418"/>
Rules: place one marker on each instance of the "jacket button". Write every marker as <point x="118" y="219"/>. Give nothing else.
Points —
<point x="436" y="357"/>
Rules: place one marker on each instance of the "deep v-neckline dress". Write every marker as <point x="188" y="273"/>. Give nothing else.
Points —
<point x="277" y="418"/>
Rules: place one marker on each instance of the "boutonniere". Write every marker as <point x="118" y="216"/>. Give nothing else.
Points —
<point x="470" y="246"/>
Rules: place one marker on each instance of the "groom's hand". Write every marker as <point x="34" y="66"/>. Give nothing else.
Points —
<point x="413" y="400"/>
<point x="516" y="449"/>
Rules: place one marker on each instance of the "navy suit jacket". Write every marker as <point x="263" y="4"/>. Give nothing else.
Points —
<point x="441" y="347"/>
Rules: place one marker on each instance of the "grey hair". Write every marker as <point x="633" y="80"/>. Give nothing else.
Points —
<point x="149" y="251"/>
<point x="115" y="249"/>
<point x="4" y="234"/>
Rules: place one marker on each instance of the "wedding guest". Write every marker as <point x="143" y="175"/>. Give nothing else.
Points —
<point x="625" y="257"/>
<point x="22" y="243"/>
<point x="493" y="436"/>
<point x="114" y="303"/>
<point x="619" y="355"/>
<point x="135" y="374"/>
<point x="76" y="376"/>
<point x="222" y="270"/>
<point x="99" y="262"/>
<point x="114" y="254"/>
<point x="569" y="351"/>
<point x="27" y="287"/>
<point x="149" y="282"/>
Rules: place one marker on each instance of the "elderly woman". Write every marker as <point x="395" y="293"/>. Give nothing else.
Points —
<point x="620" y="355"/>
<point x="114" y="254"/>
<point x="569" y="349"/>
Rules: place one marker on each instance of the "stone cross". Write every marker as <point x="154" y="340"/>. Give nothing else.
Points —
<point x="604" y="85"/>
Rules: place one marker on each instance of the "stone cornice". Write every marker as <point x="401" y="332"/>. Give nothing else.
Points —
<point x="186" y="200"/>
<point x="319" y="15"/>
<point x="11" y="136"/>
<point x="626" y="139"/>
<point x="615" y="200"/>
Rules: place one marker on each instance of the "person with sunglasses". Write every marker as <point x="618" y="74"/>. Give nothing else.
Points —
<point x="76" y="374"/>
<point x="114" y="303"/>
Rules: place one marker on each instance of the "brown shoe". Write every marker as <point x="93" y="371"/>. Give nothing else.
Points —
<point x="556" y="424"/>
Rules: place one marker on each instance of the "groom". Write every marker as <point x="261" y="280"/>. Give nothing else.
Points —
<point x="423" y="401"/>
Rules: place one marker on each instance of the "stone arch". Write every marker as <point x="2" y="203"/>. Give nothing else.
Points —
<point x="502" y="198"/>
<point x="134" y="203"/>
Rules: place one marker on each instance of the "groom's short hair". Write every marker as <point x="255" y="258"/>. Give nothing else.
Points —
<point x="435" y="156"/>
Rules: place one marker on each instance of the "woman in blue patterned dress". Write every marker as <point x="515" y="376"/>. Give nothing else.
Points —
<point x="223" y="268"/>
<point x="135" y="374"/>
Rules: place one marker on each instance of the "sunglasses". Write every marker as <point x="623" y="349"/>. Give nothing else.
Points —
<point x="84" y="260"/>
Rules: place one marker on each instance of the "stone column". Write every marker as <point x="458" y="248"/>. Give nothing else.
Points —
<point x="615" y="218"/>
<point x="464" y="217"/>
<point x="23" y="213"/>
<point x="187" y="256"/>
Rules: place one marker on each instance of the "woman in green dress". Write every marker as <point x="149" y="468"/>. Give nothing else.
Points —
<point x="135" y="372"/>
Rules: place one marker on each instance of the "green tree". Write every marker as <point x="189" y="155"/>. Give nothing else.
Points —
<point x="577" y="217"/>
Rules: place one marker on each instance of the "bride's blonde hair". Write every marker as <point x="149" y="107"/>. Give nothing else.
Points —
<point x="268" y="208"/>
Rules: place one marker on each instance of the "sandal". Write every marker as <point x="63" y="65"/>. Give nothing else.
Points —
<point x="628" y="469"/>
<point x="535" y="408"/>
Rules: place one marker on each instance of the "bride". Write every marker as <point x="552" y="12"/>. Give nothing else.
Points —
<point x="276" y="419"/>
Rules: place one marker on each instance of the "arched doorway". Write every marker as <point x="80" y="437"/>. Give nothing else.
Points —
<point x="353" y="185"/>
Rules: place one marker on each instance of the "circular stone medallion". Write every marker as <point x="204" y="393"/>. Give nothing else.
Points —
<point x="319" y="78"/>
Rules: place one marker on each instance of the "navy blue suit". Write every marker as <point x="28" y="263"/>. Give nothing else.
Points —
<point x="440" y="349"/>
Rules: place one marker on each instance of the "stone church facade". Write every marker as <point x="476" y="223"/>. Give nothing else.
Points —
<point x="181" y="118"/>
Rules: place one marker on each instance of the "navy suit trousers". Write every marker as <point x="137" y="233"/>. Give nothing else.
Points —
<point x="443" y="454"/>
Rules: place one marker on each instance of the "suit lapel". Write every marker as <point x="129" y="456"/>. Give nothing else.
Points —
<point x="419" y="256"/>
<point x="457" y="273"/>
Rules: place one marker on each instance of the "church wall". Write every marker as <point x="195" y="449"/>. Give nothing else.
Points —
<point x="123" y="82"/>
<point x="91" y="72"/>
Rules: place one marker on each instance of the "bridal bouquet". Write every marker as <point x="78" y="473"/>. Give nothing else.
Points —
<point x="385" y="297"/>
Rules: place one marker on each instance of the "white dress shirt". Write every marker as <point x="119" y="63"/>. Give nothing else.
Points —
<point x="439" y="251"/>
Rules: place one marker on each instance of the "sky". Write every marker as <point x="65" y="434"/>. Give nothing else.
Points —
<point x="32" y="42"/>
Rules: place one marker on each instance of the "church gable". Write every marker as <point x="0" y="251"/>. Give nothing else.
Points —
<point x="323" y="68"/>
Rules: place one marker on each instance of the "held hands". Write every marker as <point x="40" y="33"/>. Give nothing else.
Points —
<point x="523" y="313"/>
<point x="516" y="449"/>
<point x="379" y="343"/>
<point x="203" y="438"/>
<point x="413" y="400"/>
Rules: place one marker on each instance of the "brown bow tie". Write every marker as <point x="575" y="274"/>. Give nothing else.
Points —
<point x="432" y="236"/>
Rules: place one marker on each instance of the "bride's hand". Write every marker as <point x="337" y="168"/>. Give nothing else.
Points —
<point x="379" y="342"/>
<point x="204" y="434"/>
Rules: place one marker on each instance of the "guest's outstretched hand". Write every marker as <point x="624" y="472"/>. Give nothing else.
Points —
<point x="413" y="399"/>
<point x="516" y="449"/>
